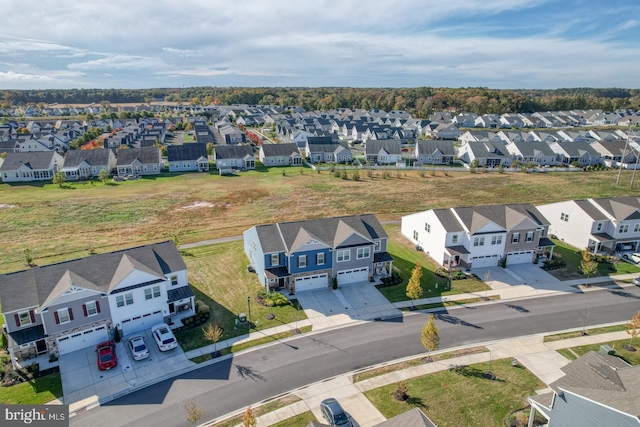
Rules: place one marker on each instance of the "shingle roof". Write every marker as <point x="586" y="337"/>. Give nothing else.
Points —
<point x="431" y="146"/>
<point x="233" y="151"/>
<point x="144" y="155"/>
<point x="620" y="208"/>
<point x="475" y="217"/>
<point x="36" y="160"/>
<point x="39" y="285"/>
<point x="391" y="146"/>
<point x="191" y="151"/>
<point x="73" y="158"/>
<point x="285" y="149"/>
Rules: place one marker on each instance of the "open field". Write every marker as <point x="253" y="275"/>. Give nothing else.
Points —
<point x="65" y="223"/>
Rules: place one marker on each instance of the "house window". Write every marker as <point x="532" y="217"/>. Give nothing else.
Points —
<point x="376" y="245"/>
<point x="64" y="315"/>
<point x="624" y="228"/>
<point x="454" y="239"/>
<point x="415" y="234"/>
<point x="151" y="293"/>
<point x="529" y="237"/>
<point x="478" y="241"/>
<point x="174" y="280"/>
<point x="599" y="226"/>
<point x="122" y="300"/>
<point x="343" y="255"/>
<point x="320" y="259"/>
<point x="275" y="259"/>
<point x="91" y="308"/>
<point x="496" y="240"/>
<point x="564" y="217"/>
<point x="24" y="318"/>
<point x="636" y="228"/>
<point x="302" y="261"/>
<point x="364" y="253"/>
<point x="427" y="228"/>
<point x="515" y="238"/>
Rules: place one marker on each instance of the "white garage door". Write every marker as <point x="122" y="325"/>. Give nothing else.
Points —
<point x="519" y="257"/>
<point x="140" y="323"/>
<point x="353" y="276"/>
<point x="308" y="283"/>
<point x="82" y="339"/>
<point x="484" y="261"/>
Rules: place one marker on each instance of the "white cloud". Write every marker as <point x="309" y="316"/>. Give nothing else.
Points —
<point x="12" y="75"/>
<point x="182" y="52"/>
<point x="118" y="62"/>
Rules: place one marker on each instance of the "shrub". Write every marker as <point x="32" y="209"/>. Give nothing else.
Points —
<point x="401" y="392"/>
<point x="116" y="335"/>
<point x="337" y="173"/>
<point x="556" y="262"/>
<point x="356" y="175"/>
<point x="201" y="307"/>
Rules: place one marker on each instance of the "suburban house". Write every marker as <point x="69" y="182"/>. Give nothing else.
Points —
<point x="480" y="236"/>
<point x="602" y="225"/>
<point x="487" y="154"/>
<point x="231" y="134"/>
<point x="85" y="164"/>
<point x="234" y="157"/>
<point x="64" y="307"/>
<point x="188" y="157"/>
<point x="527" y="152"/>
<point x="597" y="390"/>
<point x="581" y="153"/>
<point x="383" y="152"/>
<point x="139" y="161"/>
<point x="305" y="255"/>
<point x="284" y="154"/>
<point x="434" y="152"/>
<point x="330" y="152"/>
<point x="30" y="166"/>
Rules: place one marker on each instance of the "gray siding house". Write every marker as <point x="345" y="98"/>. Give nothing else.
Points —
<point x="285" y="154"/>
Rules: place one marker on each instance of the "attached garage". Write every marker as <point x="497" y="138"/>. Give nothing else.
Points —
<point x="140" y="323"/>
<point x="82" y="339"/>
<point x="519" y="257"/>
<point x="353" y="276"/>
<point x="308" y="283"/>
<point x="484" y="261"/>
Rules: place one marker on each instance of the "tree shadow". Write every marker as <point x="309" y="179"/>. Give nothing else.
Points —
<point x="473" y="372"/>
<point x="455" y="320"/>
<point x="518" y="308"/>
<point x="625" y="294"/>
<point x="417" y="401"/>
<point x="246" y="372"/>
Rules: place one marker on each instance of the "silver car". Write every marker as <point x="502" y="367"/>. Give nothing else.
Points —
<point x="333" y="413"/>
<point x="138" y="348"/>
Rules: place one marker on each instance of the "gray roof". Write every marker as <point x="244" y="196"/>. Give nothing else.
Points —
<point x="190" y="151"/>
<point x="431" y="146"/>
<point x="284" y="149"/>
<point x="605" y="379"/>
<point x="324" y="148"/>
<point x="233" y="151"/>
<point x="534" y="148"/>
<point x="578" y="149"/>
<point x="391" y="146"/>
<point x="591" y="210"/>
<point x="38" y="286"/>
<point x="476" y="217"/>
<point x="621" y="208"/>
<point x="100" y="156"/>
<point x="319" y="140"/>
<point x="288" y="236"/>
<point x="487" y="149"/>
<point x="412" y="418"/>
<point x="145" y="155"/>
<point x="36" y="160"/>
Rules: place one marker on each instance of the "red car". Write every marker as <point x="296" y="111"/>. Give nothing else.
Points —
<point x="107" y="358"/>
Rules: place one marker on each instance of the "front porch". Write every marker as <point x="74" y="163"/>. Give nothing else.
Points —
<point x="382" y="265"/>
<point x="181" y="305"/>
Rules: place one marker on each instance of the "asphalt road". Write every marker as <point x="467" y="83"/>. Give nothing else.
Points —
<point x="257" y="375"/>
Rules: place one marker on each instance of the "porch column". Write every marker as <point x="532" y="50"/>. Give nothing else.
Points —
<point x="551" y="253"/>
<point x="390" y="267"/>
<point x="532" y="416"/>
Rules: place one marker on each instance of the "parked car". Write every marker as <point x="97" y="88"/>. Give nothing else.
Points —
<point x="333" y="413"/>
<point x="138" y="347"/>
<point x="636" y="281"/>
<point x="107" y="358"/>
<point x="634" y="256"/>
<point x="164" y="337"/>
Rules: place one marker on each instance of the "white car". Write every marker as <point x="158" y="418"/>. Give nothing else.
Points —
<point x="635" y="257"/>
<point x="164" y="337"/>
<point x="636" y="281"/>
<point x="138" y="348"/>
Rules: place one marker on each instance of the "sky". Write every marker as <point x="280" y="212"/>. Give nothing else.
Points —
<point x="500" y="44"/>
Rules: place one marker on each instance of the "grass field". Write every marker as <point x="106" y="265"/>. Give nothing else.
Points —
<point x="34" y="392"/>
<point x="465" y="397"/>
<point x="65" y="223"/>
<point x="571" y="256"/>
<point x="591" y="331"/>
<point x="631" y="357"/>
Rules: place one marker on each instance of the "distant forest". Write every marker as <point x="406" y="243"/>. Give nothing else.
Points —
<point x="419" y="101"/>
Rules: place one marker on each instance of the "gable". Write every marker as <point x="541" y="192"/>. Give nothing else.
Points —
<point x="135" y="277"/>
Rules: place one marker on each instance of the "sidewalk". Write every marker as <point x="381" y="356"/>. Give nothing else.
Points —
<point x="532" y="352"/>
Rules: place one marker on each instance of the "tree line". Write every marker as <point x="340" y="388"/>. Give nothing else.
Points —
<point x="420" y="101"/>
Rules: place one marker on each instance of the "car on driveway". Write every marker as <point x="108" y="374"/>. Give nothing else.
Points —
<point x="107" y="358"/>
<point x="333" y="413"/>
<point x="634" y="256"/>
<point x="138" y="348"/>
<point x="164" y="337"/>
<point x="636" y="281"/>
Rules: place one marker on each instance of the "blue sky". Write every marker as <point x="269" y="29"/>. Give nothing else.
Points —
<point x="160" y="43"/>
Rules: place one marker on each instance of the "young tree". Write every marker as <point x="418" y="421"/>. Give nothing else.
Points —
<point x="414" y="289"/>
<point x="194" y="412"/>
<point x="28" y="257"/>
<point x="213" y="332"/>
<point x="633" y="327"/>
<point x="59" y="178"/>
<point x="249" y="420"/>
<point x="430" y="337"/>
<point x="103" y="175"/>
<point x="588" y="265"/>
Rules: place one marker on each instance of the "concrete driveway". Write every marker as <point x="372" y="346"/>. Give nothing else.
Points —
<point x="517" y="274"/>
<point x="356" y="301"/>
<point x="81" y="378"/>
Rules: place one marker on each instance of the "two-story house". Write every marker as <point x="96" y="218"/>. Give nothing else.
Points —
<point x="64" y="307"/>
<point x="602" y="225"/>
<point x="480" y="236"/>
<point x="305" y="255"/>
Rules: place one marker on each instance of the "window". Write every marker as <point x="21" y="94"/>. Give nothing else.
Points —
<point x="302" y="261"/>
<point x="343" y="255"/>
<point x="529" y="237"/>
<point x="122" y="300"/>
<point x="364" y="253"/>
<point x="174" y="280"/>
<point x="376" y="245"/>
<point x="636" y="228"/>
<point x="91" y="308"/>
<point x="515" y="238"/>
<point x="275" y="259"/>
<point x="564" y="217"/>
<point x="320" y="259"/>
<point x="496" y="240"/>
<point x="454" y="239"/>
<point x="64" y="315"/>
<point x="151" y="293"/>
<point x="599" y="226"/>
<point x="624" y="228"/>
<point x="24" y="318"/>
<point x="478" y="241"/>
<point x="415" y="235"/>
<point x="427" y="227"/>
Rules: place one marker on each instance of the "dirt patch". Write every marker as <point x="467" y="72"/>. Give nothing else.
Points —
<point x="200" y="205"/>
<point x="7" y="206"/>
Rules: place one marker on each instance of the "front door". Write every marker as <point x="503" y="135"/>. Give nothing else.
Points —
<point x="41" y="346"/>
<point x="172" y="307"/>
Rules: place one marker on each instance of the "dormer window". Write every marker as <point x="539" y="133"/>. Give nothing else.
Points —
<point x="275" y="259"/>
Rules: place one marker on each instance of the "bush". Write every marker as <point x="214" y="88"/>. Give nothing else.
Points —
<point x="116" y="335"/>
<point x="456" y="274"/>
<point x="556" y="262"/>
<point x="401" y="392"/>
<point x="201" y="307"/>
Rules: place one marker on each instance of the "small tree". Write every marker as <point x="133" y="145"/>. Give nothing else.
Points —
<point x="249" y="420"/>
<point x="176" y="240"/>
<point x="28" y="257"/>
<point x="633" y="327"/>
<point x="401" y="392"/>
<point x="430" y="337"/>
<point x="414" y="289"/>
<point x="588" y="266"/>
<point x="59" y="178"/>
<point x="194" y="412"/>
<point x="103" y="175"/>
<point x="213" y="332"/>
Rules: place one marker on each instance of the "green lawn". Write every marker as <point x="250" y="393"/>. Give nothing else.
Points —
<point x="631" y="357"/>
<point x="463" y="398"/>
<point x="299" y="420"/>
<point x="35" y="392"/>
<point x="592" y="331"/>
